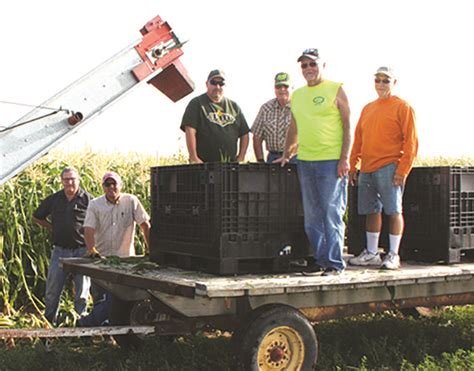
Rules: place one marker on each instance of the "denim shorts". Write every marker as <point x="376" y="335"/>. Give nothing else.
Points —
<point x="377" y="192"/>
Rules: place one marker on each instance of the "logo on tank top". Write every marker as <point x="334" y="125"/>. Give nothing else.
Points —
<point x="318" y="100"/>
<point x="221" y="118"/>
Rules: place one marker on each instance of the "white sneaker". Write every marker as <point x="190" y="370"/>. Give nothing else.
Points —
<point x="391" y="261"/>
<point x="366" y="258"/>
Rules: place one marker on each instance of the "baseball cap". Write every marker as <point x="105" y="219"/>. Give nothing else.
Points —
<point x="216" y="73"/>
<point x="282" y="78"/>
<point x="311" y="53"/>
<point x="387" y="71"/>
<point x="111" y="175"/>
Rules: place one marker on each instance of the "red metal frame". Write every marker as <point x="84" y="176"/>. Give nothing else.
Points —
<point x="173" y="81"/>
<point x="155" y="32"/>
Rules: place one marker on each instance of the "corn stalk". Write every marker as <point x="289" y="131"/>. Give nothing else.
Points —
<point x="25" y="247"/>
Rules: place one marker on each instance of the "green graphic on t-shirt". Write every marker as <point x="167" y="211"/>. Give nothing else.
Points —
<point x="221" y="118"/>
<point x="318" y="100"/>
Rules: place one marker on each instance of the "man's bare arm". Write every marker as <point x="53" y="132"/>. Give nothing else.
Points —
<point x="191" y="145"/>
<point x="343" y="106"/>
<point x="243" y="145"/>
<point x="145" y="226"/>
<point x="258" y="148"/>
<point x="43" y="223"/>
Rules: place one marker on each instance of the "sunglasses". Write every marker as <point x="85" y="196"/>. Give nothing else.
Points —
<point x="109" y="184"/>
<point x="310" y="64"/>
<point x="384" y="81"/>
<point x="281" y="87"/>
<point x="216" y="82"/>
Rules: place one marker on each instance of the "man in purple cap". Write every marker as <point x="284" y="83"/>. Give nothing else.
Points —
<point x="110" y="221"/>
<point x="215" y="127"/>
<point x="109" y="230"/>
<point x="320" y="130"/>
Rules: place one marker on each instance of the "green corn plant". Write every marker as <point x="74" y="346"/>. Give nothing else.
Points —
<point x="25" y="247"/>
<point x="224" y="158"/>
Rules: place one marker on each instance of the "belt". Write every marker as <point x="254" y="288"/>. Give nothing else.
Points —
<point x="276" y="152"/>
<point x="68" y="247"/>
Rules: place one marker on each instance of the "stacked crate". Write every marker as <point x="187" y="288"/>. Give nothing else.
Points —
<point x="438" y="206"/>
<point x="227" y="218"/>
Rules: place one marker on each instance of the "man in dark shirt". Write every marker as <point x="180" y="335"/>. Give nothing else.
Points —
<point x="214" y="125"/>
<point x="63" y="213"/>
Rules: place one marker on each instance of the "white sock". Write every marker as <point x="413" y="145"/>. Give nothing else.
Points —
<point x="394" y="243"/>
<point x="372" y="242"/>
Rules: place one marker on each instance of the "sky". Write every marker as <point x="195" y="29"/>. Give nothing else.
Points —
<point x="49" y="44"/>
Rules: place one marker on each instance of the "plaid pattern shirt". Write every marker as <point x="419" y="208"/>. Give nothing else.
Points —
<point x="272" y="123"/>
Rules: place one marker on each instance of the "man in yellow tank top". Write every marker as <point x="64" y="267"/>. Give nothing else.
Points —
<point x="320" y="130"/>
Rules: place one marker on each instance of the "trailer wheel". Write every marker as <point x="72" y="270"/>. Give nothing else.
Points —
<point x="119" y="314"/>
<point x="142" y="313"/>
<point x="246" y="321"/>
<point x="280" y="338"/>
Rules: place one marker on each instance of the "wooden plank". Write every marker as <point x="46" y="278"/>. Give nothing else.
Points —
<point x="459" y="278"/>
<point x="302" y="289"/>
<point x="431" y="279"/>
<point x="435" y="292"/>
<point x="175" y="281"/>
<point x="199" y="306"/>
<point x="165" y="280"/>
<point x="266" y="291"/>
<point x="75" y="331"/>
<point x="352" y="278"/>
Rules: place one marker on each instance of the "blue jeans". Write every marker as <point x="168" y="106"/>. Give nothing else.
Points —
<point x="376" y="190"/>
<point x="272" y="156"/>
<point x="324" y="197"/>
<point x="100" y="312"/>
<point x="56" y="280"/>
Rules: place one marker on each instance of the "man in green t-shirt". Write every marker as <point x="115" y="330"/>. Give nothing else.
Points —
<point x="320" y="129"/>
<point x="215" y="127"/>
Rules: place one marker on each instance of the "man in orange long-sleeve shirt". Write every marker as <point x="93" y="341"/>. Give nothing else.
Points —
<point x="385" y="146"/>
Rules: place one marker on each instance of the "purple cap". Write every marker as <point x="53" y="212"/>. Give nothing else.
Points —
<point x="111" y="175"/>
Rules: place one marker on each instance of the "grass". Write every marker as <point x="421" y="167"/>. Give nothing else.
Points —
<point x="388" y="341"/>
<point x="392" y="340"/>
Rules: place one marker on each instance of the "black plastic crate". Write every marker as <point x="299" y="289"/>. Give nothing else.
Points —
<point x="227" y="218"/>
<point x="438" y="207"/>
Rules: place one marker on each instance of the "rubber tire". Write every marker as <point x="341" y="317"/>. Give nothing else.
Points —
<point x="267" y="320"/>
<point x="237" y="336"/>
<point x="119" y="315"/>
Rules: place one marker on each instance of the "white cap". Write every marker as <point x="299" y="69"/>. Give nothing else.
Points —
<point x="387" y="71"/>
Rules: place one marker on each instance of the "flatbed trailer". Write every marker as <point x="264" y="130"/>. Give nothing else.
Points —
<point x="270" y="315"/>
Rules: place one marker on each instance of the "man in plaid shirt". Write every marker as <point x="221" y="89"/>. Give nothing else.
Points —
<point x="272" y="122"/>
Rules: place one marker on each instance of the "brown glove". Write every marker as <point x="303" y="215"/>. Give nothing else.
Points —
<point x="92" y="253"/>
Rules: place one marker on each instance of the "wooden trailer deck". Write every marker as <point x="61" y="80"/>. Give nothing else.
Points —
<point x="192" y="300"/>
<point x="357" y="290"/>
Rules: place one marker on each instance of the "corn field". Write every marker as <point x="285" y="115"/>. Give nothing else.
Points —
<point x="25" y="247"/>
